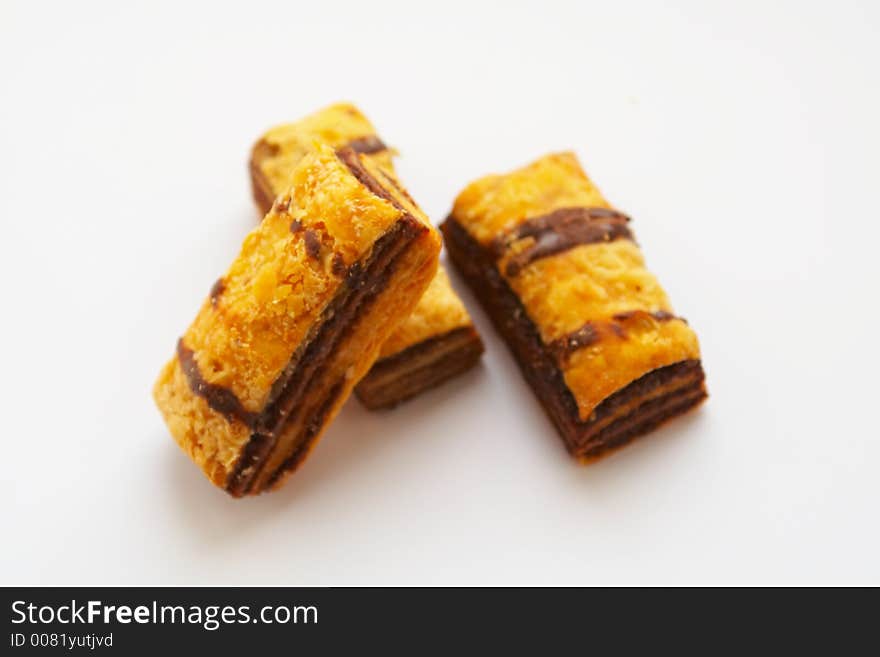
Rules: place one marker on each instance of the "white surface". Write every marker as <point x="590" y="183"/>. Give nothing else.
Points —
<point x="742" y="138"/>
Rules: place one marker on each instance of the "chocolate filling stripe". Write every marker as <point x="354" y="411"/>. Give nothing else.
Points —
<point x="419" y="349"/>
<point x="645" y="386"/>
<point x="219" y="398"/>
<point x="645" y="418"/>
<point x="593" y="331"/>
<point x="560" y="231"/>
<point x="310" y="433"/>
<point x="367" y="145"/>
<point x="424" y="365"/>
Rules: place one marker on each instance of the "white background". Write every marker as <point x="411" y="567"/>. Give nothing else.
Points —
<point x="742" y="137"/>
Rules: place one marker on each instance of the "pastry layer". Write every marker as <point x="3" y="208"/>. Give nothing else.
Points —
<point x="417" y="368"/>
<point x="566" y="287"/>
<point x="641" y="406"/>
<point x="438" y="313"/>
<point x="297" y="320"/>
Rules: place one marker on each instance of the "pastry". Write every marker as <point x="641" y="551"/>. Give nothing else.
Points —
<point x="559" y="273"/>
<point x="340" y="259"/>
<point x="438" y="340"/>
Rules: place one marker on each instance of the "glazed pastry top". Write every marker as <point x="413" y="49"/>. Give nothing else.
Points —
<point x="572" y="261"/>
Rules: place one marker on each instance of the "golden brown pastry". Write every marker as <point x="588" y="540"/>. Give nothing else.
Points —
<point x="559" y="273"/>
<point x="438" y="340"/>
<point x="338" y="262"/>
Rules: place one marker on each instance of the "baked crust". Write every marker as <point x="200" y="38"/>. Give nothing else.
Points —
<point x="565" y="284"/>
<point x="296" y="321"/>
<point x="439" y="312"/>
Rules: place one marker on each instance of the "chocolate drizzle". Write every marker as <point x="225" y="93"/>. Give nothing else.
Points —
<point x="592" y="332"/>
<point x="367" y="145"/>
<point x="583" y="337"/>
<point x="217" y="397"/>
<point x="313" y="244"/>
<point x="659" y="315"/>
<point x="216" y="290"/>
<point x="351" y="160"/>
<point x="560" y="231"/>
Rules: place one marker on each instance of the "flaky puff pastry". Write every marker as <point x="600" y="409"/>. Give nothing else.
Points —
<point x="340" y="259"/>
<point x="564" y="281"/>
